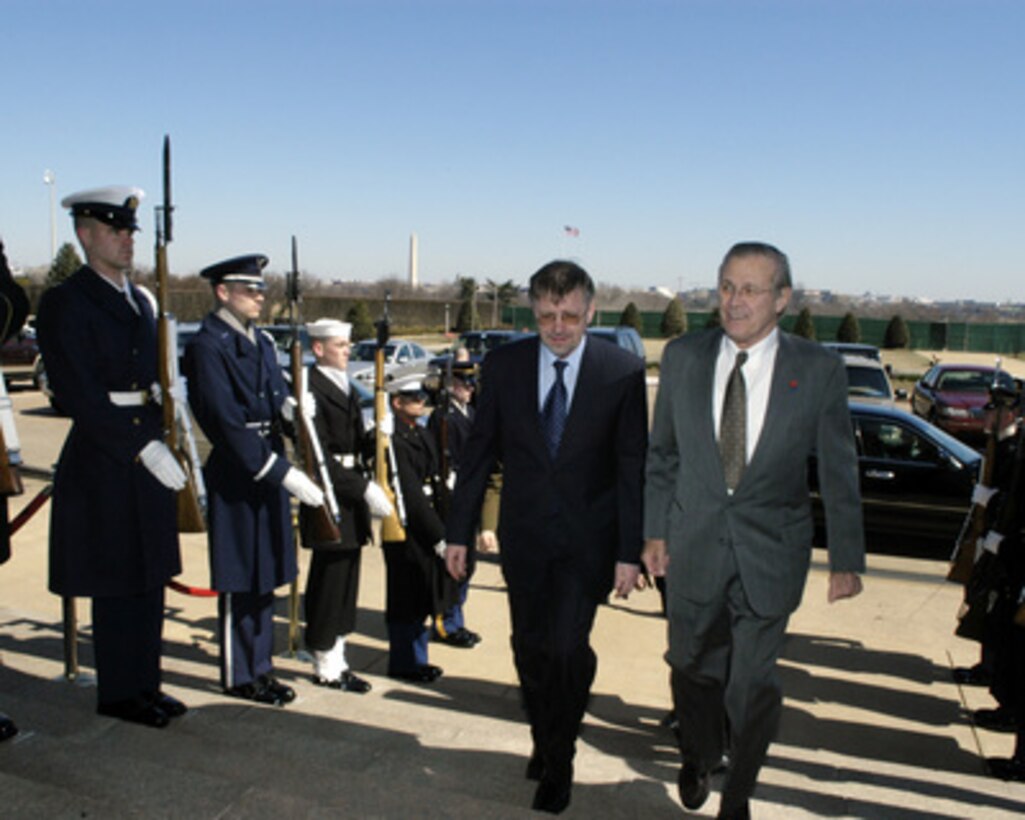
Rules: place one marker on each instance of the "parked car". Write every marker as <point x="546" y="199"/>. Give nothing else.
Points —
<point x="955" y="397"/>
<point x="868" y="381"/>
<point x="623" y="335"/>
<point x="19" y="356"/>
<point x="478" y="344"/>
<point x="402" y="359"/>
<point x="854" y="349"/>
<point x="916" y="480"/>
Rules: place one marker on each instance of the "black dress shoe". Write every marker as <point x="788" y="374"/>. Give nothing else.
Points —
<point x="553" y="794"/>
<point x="996" y="720"/>
<point x="425" y="673"/>
<point x="1006" y="768"/>
<point x="284" y="694"/>
<point x="7" y="727"/>
<point x="692" y="783"/>
<point x="738" y="813"/>
<point x="535" y="766"/>
<point x="976" y="675"/>
<point x="462" y="638"/>
<point x="135" y="710"/>
<point x="257" y="692"/>
<point x="346" y="682"/>
<point x="172" y="707"/>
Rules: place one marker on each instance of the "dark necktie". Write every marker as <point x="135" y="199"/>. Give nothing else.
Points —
<point x="733" y="425"/>
<point x="553" y="413"/>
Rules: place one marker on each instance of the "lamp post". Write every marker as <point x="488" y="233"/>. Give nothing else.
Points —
<point x="49" y="179"/>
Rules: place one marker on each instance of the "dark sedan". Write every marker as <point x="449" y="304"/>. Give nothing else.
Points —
<point x="916" y="480"/>
<point x="954" y="397"/>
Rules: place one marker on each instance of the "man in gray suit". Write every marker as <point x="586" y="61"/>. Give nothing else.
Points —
<point x="728" y="520"/>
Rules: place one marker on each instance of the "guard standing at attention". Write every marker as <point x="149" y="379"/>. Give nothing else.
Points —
<point x="332" y="585"/>
<point x="113" y="524"/>
<point x="237" y="393"/>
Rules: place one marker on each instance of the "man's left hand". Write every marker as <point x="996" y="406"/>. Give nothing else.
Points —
<point x="626" y="578"/>
<point x="843" y="585"/>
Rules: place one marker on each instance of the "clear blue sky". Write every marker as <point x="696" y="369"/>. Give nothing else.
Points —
<point x="880" y="143"/>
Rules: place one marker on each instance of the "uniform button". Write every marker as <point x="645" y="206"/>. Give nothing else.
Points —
<point x="135" y="385"/>
<point x="136" y="421"/>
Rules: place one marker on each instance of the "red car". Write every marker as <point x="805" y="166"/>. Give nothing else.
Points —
<point x="954" y="397"/>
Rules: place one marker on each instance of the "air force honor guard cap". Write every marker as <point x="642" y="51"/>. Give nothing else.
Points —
<point x="246" y="270"/>
<point x="114" y="205"/>
<point x="329" y="329"/>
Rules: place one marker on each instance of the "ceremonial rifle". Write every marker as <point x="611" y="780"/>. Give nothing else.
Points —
<point x="323" y="520"/>
<point x="393" y="526"/>
<point x="974" y="527"/>
<point x="191" y="498"/>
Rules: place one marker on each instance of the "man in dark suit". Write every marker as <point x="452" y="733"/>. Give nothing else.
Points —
<point x="113" y="525"/>
<point x="567" y="419"/>
<point x="332" y="585"/>
<point x="728" y="519"/>
<point x="238" y="396"/>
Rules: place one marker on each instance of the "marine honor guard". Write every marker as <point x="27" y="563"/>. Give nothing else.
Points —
<point x="237" y="393"/>
<point x="333" y="581"/>
<point x="113" y="526"/>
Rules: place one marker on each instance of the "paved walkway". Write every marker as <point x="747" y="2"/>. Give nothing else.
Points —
<point x="872" y="725"/>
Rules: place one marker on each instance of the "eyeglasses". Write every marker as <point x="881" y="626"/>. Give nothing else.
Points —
<point x="549" y="318"/>
<point x="747" y="291"/>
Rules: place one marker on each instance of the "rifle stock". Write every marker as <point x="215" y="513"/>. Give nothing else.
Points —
<point x="190" y="507"/>
<point x="392" y="528"/>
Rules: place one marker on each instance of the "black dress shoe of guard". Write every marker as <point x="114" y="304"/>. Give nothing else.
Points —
<point x="346" y="682"/>
<point x="284" y="694"/>
<point x="553" y="793"/>
<point x="1006" y="768"/>
<point x="7" y="728"/>
<point x="255" y="692"/>
<point x="692" y="783"/>
<point x="425" y="673"/>
<point x="462" y="638"/>
<point x="996" y="720"/>
<point x="172" y="707"/>
<point x="135" y="710"/>
<point x="972" y="675"/>
<point x="738" y="813"/>
<point x="535" y="766"/>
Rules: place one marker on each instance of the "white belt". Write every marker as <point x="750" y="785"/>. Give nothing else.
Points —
<point x="428" y="490"/>
<point x="347" y="460"/>
<point x="129" y="398"/>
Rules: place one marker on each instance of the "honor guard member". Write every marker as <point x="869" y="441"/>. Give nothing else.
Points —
<point x="415" y="575"/>
<point x="113" y="524"/>
<point x="451" y="427"/>
<point x="333" y="581"/>
<point x="237" y="393"/>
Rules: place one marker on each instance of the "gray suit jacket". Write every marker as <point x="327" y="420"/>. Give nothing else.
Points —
<point x="767" y="522"/>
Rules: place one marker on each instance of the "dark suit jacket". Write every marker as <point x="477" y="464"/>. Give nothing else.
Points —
<point x="586" y="504"/>
<point x="768" y="520"/>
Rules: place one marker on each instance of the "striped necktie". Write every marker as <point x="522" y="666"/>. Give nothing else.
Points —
<point x="733" y="425"/>
<point x="553" y="413"/>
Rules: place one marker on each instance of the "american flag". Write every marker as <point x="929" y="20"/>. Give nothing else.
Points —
<point x="571" y="231"/>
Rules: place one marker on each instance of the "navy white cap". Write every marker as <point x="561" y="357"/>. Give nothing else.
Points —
<point x="247" y="270"/>
<point x="410" y="388"/>
<point x="114" y="205"/>
<point x="329" y="329"/>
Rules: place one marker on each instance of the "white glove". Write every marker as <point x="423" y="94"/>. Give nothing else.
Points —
<point x="990" y="542"/>
<point x="450" y="482"/>
<point x="388" y="425"/>
<point x="177" y="392"/>
<point x="159" y="460"/>
<point x="439" y="549"/>
<point x="309" y="407"/>
<point x="377" y="500"/>
<point x="981" y="494"/>
<point x="300" y="485"/>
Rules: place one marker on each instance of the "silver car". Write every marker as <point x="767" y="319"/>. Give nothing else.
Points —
<point x="402" y="359"/>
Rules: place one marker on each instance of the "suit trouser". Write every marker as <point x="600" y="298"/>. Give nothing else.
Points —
<point x="127" y="642"/>
<point x="720" y="673"/>
<point x="552" y="617"/>
<point x="330" y="601"/>
<point x="246" y="635"/>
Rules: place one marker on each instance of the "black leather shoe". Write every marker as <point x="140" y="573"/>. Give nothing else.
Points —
<point x="7" y="727"/>
<point x="972" y="675"/>
<point x="996" y="720"/>
<point x="739" y="813"/>
<point x="256" y="692"/>
<point x="535" y="766"/>
<point x="693" y="786"/>
<point x="1006" y="768"/>
<point x="346" y="682"/>
<point x="284" y="694"/>
<point x="135" y="710"/>
<point x="425" y="673"/>
<point x="462" y="638"/>
<point x="553" y="794"/>
<point x="172" y="707"/>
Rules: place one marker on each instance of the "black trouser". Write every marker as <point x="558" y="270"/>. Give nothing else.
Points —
<point x="331" y="592"/>
<point x="127" y="643"/>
